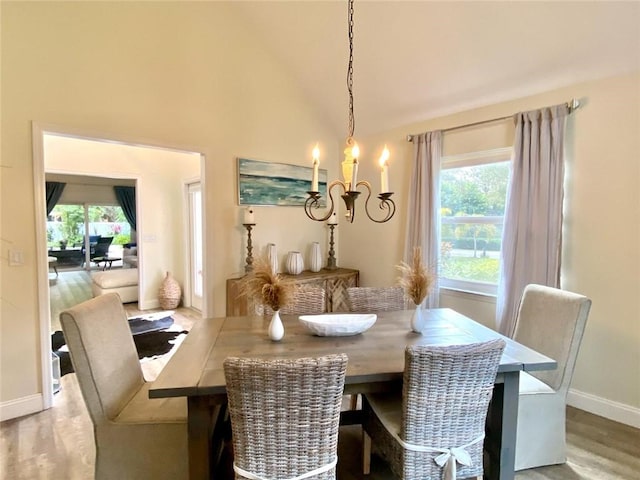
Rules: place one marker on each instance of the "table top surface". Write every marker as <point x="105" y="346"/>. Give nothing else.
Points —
<point x="376" y="355"/>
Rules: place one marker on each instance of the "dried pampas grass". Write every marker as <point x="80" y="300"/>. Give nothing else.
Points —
<point x="416" y="279"/>
<point x="262" y="283"/>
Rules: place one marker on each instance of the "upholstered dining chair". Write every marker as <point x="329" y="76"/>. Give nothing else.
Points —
<point x="136" y="437"/>
<point x="307" y="300"/>
<point x="552" y="322"/>
<point x="376" y="299"/>
<point x="285" y="416"/>
<point x="435" y="427"/>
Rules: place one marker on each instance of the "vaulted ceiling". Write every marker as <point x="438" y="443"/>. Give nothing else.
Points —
<point x="418" y="60"/>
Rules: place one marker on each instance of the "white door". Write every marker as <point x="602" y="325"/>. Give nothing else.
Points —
<point x="195" y="244"/>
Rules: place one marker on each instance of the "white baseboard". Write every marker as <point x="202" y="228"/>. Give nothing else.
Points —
<point x="21" y="407"/>
<point x="148" y="304"/>
<point x="618" y="412"/>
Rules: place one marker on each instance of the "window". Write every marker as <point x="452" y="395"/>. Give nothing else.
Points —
<point x="473" y="190"/>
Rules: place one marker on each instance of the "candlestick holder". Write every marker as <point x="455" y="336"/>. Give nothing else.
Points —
<point x="249" y="266"/>
<point x="331" y="260"/>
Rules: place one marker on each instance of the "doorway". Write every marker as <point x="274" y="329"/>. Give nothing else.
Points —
<point x="196" y="257"/>
<point x="62" y="151"/>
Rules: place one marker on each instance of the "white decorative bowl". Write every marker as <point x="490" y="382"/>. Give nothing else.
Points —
<point x="338" y="324"/>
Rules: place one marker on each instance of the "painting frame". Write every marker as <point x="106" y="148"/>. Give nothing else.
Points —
<point x="263" y="183"/>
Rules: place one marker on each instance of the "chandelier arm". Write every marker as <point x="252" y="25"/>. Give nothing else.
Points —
<point x="385" y="203"/>
<point x="313" y="201"/>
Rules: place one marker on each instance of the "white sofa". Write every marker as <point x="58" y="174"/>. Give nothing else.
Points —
<point x="124" y="282"/>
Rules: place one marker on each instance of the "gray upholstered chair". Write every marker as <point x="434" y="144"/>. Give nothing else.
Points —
<point x="136" y="437"/>
<point x="550" y="321"/>
<point x="376" y="299"/>
<point x="285" y="415"/>
<point x="307" y="300"/>
<point x="438" y="421"/>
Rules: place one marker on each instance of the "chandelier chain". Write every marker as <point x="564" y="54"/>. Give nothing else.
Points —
<point x="352" y="122"/>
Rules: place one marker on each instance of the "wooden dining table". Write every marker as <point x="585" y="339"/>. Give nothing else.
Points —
<point x="376" y="363"/>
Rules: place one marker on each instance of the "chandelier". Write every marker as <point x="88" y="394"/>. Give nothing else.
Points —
<point x="350" y="183"/>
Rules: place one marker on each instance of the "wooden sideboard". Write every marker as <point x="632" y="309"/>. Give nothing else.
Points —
<point x="335" y="284"/>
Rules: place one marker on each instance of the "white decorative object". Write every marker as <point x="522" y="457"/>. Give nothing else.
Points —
<point x="417" y="320"/>
<point x="276" y="328"/>
<point x="315" y="263"/>
<point x="249" y="216"/>
<point x="272" y="255"/>
<point x="338" y="325"/>
<point x="295" y="263"/>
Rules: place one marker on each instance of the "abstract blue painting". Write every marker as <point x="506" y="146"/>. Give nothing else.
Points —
<point x="268" y="183"/>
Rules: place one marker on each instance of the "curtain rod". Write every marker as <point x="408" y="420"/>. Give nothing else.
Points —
<point x="572" y="105"/>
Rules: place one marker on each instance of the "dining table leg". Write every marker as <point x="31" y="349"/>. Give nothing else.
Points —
<point x="502" y="422"/>
<point x="198" y="427"/>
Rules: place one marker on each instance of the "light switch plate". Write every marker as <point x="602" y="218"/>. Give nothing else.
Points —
<point x="16" y="258"/>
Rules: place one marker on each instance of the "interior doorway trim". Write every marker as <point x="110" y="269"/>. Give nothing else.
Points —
<point x="38" y="131"/>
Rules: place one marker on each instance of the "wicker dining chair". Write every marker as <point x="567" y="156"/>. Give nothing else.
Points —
<point x="307" y="300"/>
<point x="438" y="422"/>
<point x="285" y="416"/>
<point x="371" y="300"/>
<point x="376" y="299"/>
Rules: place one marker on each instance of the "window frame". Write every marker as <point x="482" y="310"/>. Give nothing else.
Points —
<point x="472" y="159"/>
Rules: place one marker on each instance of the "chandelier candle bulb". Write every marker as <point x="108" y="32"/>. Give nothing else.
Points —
<point x="384" y="174"/>
<point x="354" y="175"/>
<point x="249" y="217"/>
<point x="316" y="164"/>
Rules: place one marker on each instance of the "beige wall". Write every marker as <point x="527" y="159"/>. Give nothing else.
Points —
<point x="602" y="220"/>
<point x="194" y="78"/>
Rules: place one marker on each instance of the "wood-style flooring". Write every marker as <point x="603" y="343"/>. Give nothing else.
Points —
<point x="58" y="443"/>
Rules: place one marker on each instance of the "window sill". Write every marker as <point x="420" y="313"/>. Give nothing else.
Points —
<point x="468" y="294"/>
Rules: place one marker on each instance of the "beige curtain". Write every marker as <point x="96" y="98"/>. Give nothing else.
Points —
<point x="532" y="236"/>
<point x="423" y="216"/>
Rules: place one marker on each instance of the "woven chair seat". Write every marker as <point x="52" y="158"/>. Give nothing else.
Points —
<point x="285" y="415"/>
<point x="442" y="411"/>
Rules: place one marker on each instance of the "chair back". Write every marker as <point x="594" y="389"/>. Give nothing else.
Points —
<point x="552" y="322"/>
<point x="285" y="414"/>
<point x="101" y="248"/>
<point x="376" y="299"/>
<point x="103" y="354"/>
<point x="446" y="394"/>
<point x="306" y="300"/>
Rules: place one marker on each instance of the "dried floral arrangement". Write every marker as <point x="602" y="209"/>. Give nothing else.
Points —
<point x="262" y="283"/>
<point x="416" y="280"/>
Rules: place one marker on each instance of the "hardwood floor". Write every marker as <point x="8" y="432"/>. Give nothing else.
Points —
<point x="58" y="443"/>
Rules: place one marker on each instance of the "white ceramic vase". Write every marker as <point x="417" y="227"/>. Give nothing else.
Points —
<point x="417" y="320"/>
<point x="315" y="264"/>
<point x="295" y="264"/>
<point x="272" y="255"/>
<point x="276" y="328"/>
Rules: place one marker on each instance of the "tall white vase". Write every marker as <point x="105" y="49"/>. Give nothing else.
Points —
<point x="418" y="320"/>
<point x="272" y="255"/>
<point x="315" y="263"/>
<point x="295" y="263"/>
<point x="276" y="328"/>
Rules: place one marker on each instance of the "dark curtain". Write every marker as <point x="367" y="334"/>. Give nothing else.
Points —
<point x="126" y="197"/>
<point x="54" y="192"/>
